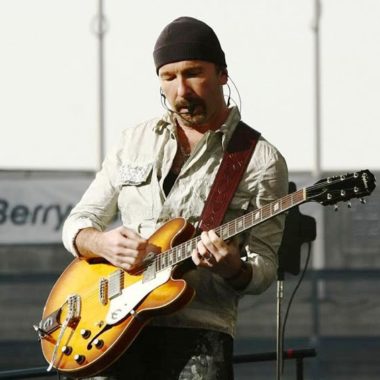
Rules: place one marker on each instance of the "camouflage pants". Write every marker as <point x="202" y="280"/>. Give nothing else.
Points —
<point x="161" y="353"/>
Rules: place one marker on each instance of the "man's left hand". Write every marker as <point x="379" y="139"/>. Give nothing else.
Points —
<point x="218" y="255"/>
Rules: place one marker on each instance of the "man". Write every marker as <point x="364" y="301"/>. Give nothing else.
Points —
<point x="162" y="169"/>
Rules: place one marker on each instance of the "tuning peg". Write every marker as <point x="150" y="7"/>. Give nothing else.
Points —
<point x="336" y="207"/>
<point x="363" y="201"/>
<point x="349" y="204"/>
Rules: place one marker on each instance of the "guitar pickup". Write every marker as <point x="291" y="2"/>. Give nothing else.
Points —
<point x="103" y="291"/>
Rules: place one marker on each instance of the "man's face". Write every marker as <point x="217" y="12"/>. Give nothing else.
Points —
<point x="194" y="89"/>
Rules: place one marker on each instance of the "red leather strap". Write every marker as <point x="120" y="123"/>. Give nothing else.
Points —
<point x="231" y="170"/>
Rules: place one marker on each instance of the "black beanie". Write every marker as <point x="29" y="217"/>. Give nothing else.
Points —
<point x="187" y="38"/>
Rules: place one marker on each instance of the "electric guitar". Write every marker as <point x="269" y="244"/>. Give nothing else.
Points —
<point x="95" y="310"/>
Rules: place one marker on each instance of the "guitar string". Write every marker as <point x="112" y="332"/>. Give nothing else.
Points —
<point x="263" y="211"/>
<point x="94" y="291"/>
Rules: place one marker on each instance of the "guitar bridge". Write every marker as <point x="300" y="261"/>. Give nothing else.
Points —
<point x="74" y="307"/>
<point x="103" y="291"/>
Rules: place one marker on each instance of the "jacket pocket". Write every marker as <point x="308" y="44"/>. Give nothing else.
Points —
<point x="133" y="175"/>
<point x="136" y="196"/>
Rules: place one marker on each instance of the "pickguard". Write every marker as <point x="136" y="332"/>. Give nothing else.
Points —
<point x="131" y="296"/>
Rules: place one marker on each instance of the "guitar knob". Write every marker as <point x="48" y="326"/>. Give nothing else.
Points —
<point x="363" y="201"/>
<point x="336" y="207"/>
<point x="67" y="350"/>
<point x="79" y="358"/>
<point x="349" y="204"/>
<point x="85" y="333"/>
<point x="99" y="343"/>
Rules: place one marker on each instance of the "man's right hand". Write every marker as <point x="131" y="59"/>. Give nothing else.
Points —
<point x="121" y="246"/>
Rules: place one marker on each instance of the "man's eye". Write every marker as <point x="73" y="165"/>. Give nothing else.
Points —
<point x="192" y="74"/>
<point x="168" y="78"/>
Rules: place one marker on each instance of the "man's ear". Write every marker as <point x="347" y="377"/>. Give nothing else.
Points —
<point x="223" y="75"/>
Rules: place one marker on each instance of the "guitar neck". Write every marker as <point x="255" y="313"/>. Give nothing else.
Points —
<point x="184" y="250"/>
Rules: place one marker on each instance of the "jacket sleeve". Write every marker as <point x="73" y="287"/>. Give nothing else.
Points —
<point x="98" y="206"/>
<point x="263" y="241"/>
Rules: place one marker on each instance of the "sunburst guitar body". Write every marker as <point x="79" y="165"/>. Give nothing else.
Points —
<point x="95" y="310"/>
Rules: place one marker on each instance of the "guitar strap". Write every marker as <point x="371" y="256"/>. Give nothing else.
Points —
<point x="234" y="163"/>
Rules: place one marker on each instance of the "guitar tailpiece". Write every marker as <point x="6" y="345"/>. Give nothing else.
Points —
<point x="41" y="333"/>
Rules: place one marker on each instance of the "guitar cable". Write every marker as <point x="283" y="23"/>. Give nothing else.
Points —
<point x="293" y="295"/>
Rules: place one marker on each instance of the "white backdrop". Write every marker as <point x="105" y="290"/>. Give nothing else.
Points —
<point x="48" y="76"/>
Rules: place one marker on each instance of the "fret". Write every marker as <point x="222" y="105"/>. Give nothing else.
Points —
<point x="184" y="251"/>
<point x="235" y="226"/>
<point x="286" y="202"/>
<point x="276" y="207"/>
<point x="180" y="252"/>
<point x="225" y="233"/>
<point x="298" y="196"/>
<point x="170" y="257"/>
<point x="293" y="199"/>
<point x="157" y="262"/>
<point x="265" y="212"/>
<point x="249" y="218"/>
<point x="239" y="225"/>
<point x="188" y="248"/>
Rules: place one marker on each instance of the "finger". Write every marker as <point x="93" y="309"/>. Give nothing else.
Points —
<point x="195" y="257"/>
<point x="202" y="247"/>
<point x="128" y="233"/>
<point x="209" y="244"/>
<point x="203" y="253"/>
<point x="205" y="244"/>
<point x="200" y="260"/>
<point x="135" y="257"/>
<point x="124" y="262"/>
<point x="128" y="243"/>
<point x="220" y="246"/>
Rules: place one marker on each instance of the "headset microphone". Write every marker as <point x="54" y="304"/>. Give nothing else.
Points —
<point x="190" y="107"/>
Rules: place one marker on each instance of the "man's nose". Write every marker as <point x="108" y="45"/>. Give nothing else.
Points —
<point x="182" y="87"/>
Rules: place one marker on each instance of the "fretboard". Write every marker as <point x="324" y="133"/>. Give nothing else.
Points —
<point x="184" y="250"/>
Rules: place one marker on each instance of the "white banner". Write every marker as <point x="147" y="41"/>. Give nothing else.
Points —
<point x="33" y="210"/>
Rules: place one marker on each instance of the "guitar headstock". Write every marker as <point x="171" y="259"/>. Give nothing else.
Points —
<point x="331" y="190"/>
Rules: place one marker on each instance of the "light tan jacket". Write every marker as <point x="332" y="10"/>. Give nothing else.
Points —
<point x="131" y="181"/>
